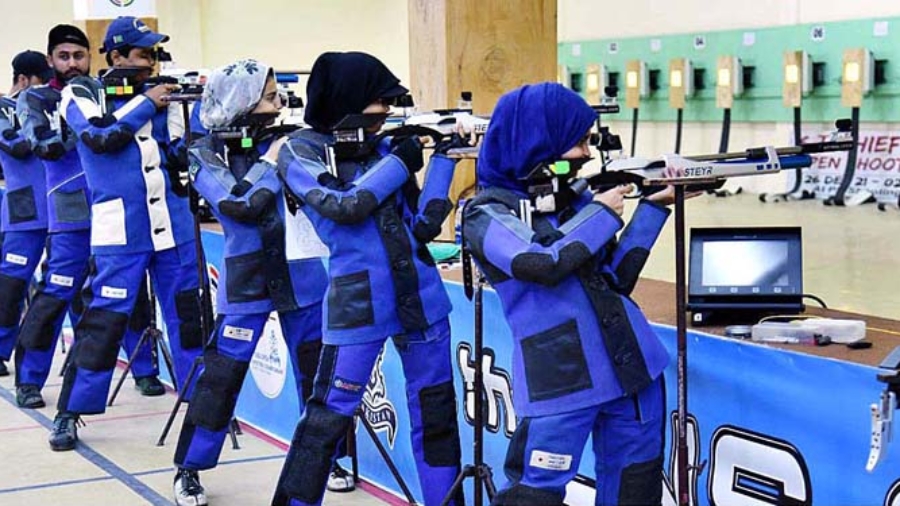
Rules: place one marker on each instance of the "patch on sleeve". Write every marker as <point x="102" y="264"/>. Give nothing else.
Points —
<point x="239" y="333"/>
<point x="551" y="461"/>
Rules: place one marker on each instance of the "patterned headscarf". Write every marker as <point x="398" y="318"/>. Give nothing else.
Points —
<point x="232" y="91"/>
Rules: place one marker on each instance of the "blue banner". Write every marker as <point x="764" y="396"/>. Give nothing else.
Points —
<point x="766" y="426"/>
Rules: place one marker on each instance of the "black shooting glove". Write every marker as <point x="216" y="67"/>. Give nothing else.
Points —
<point x="455" y="141"/>
<point x="177" y="167"/>
<point x="409" y="151"/>
<point x="250" y="211"/>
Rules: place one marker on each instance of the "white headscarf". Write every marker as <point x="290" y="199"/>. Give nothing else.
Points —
<point x="232" y="91"/>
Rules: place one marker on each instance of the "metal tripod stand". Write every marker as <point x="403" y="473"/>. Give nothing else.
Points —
<point x="154" y="338"/>
<point x="360" y="416"/>
<point x="479" y="471"/>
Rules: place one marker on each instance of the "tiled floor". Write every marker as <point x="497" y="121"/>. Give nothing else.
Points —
<point x="117" y="462"/>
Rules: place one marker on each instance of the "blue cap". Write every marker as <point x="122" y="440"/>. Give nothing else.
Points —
<point x="130" y="31"/>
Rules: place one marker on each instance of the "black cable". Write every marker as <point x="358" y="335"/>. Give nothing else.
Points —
<point x="634" y="124"/>
<point x="679" y="123"/>
<point x="726" y="131"/>
<point x="839" y="198"/>
<point x="815" y="298"/>
<point x="798" y="139"/>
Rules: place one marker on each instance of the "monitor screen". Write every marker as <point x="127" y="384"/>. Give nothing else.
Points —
<point x="752" y="264"/>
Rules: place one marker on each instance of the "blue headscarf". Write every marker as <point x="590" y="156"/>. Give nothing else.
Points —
<point x="533" y="124"/>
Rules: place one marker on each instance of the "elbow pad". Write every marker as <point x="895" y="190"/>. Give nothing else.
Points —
<point x="51" y="151"/>
<point x="107" y="142"/>
<point x="346" y="211"/>
<point x="542" y="268"/>
<point x="250" y="211"/>
<point x="15" y="146"/>
<point x="436" y="211"/>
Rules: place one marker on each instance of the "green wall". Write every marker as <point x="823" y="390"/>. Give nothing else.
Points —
<point x="762" y="102"/>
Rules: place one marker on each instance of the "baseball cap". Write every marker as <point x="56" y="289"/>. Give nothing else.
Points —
<point x="61" y="34"/>
<point x="32" y="63"/>
<point x="130" y="31"/>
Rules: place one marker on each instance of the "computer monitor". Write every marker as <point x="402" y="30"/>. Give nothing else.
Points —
<point x="739" y="274"/>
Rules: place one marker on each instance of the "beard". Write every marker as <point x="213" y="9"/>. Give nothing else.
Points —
<point x="65" y="77"/>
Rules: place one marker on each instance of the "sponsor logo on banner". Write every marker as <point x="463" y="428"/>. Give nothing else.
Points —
<point x="877" y="167"/>
<point x="110" y="9"/>
<point x="268" y="367"/>
<point x="213" y="274"/>
<point x="501" y="416"/>
<point x="378" y="410"/>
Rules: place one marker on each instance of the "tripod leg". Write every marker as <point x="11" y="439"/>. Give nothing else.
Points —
<point x="387" y="460"/>
<point x="466" y="472"/>
<point x="66" y="362"/>
<point x="236" y="427"/>
<point x="487" y="478"/>
<point x="162" y="437"/>
<point x="232" y="433"/>
<point x="134" y="353"/>
<point x="353" y="450"/>
<point x="167" y="358"/>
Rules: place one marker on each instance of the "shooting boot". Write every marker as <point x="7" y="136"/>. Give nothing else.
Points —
<point x="29" y="396"/>
<point x="149" y="386"/>
<point x="187" y="488"/>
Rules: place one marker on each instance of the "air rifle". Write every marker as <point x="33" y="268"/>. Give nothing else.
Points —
<point x="700" y="172"/>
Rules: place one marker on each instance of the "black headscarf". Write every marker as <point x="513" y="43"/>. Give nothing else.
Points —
<point x="345" y="83"/>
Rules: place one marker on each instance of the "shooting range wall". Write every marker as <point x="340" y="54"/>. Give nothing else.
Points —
<point x="760" y="48"/>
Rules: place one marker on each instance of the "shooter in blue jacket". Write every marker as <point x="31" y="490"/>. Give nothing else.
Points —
<point x="140" y="221"/>
<point x="261" y="272"/>
<point x="585" y="361"/>
<point x="23" y="219"/>
<point x="383" y="282"/>
<point x="69" y="222"/>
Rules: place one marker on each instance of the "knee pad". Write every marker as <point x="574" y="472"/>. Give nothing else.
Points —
<point x="521" y="495"/>
<point x="440" y="432"/>
<point x="99" y="333"/>
<point x="309" y="459"/>
<point x="187" y="305"/>
<point x="13" y="290"/>
<point x="39" y="327"/>
<point x="641" y="484"/>
<point x="140" y="315"/>
<point x="307" y="364"/>
<point x="217" y="390"/>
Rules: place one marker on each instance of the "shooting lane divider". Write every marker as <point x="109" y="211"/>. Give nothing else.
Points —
<point x="799" y="81"/>
<point x="857" y="80"/>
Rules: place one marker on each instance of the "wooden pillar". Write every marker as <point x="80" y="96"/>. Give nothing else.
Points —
<point x="487" y="47"/>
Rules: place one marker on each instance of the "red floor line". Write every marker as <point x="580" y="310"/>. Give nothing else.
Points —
<point x="127" y="417"/>
<point x="22" y="427"/>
